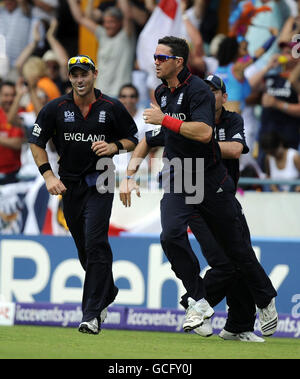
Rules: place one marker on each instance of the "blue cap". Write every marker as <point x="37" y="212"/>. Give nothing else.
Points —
<point x="217" y="82"/>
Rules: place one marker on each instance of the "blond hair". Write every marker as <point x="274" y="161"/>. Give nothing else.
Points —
<point x="34" y="66"/>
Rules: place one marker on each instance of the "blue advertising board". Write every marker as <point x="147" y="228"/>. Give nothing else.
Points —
<point x="130" y="318"/>
<point x="46" y="269"/>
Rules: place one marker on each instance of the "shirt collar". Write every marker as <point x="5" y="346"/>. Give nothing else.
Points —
<point x="224" y="116"/>
<point x="182" y="76"/>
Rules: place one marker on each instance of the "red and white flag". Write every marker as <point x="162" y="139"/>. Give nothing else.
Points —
<point x="165" y="20"/>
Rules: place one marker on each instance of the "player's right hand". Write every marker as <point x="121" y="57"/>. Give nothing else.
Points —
<point x="126" y="187"/>
<point x="54" y="185"/>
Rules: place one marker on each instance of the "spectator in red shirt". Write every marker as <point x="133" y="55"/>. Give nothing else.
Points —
<point x="7" y="95"/>
<point x="11" y="139"/>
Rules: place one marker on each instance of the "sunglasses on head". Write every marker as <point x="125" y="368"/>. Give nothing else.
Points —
<point x="82" y="60"/>
<point x="164" y="58"/>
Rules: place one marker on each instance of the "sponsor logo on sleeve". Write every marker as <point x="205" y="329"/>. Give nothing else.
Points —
<point x="36" y="131"/>
<point x="238" y="136"/>
<point x="156" y="131"/>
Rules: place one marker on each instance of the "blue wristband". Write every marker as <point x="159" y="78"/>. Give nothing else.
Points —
<point x="266" y="46"/>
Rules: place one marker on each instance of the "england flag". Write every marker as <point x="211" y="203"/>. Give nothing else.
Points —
<point x="166" y="20"/>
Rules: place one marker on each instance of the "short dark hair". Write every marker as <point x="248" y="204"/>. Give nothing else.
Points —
<point x="272" y="140"/>
<point x="179" y="46"/>
<point x="129" y="85"/>
<point x="228" y="51"/>
<point x="7" y="83"/>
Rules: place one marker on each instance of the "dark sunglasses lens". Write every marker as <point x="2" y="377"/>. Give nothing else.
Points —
<point x="161" y="58"/>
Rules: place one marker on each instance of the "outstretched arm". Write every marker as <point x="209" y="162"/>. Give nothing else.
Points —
<point x="29" y="49"/>
<point x="59" y="50"/>
<point x="80" y="18"/>
<point x="44" y="6"/>
<point x="127" y="16"/>
<point x="128" y="184"/>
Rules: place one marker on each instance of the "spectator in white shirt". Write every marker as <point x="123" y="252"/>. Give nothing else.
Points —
<point x="16" y="25"/>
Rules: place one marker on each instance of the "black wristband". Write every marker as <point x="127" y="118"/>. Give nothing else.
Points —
<point x="119" y="145"/>
<point x="44" y="167"/>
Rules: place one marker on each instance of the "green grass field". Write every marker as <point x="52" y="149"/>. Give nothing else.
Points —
<point x="33" y="342"/>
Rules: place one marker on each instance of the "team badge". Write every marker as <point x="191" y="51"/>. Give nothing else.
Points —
<point x="36" y="131"/>
<point x="102" y="116"/>
<point x="222" y="135"/>
<point x="163" y="101"/>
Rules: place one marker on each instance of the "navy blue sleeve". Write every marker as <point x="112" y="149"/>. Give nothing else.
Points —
<point x="44" y="127"/>
<point x="202" y="105"/>
<point x="157" y="92"/>
<point x="236" y="132"/>
<point x="155" y="137"/>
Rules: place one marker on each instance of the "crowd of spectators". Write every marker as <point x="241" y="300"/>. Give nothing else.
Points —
<point x="260" y="66"/>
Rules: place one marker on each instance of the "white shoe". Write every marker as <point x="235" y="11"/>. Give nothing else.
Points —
<point x="244" y="336"/>
<point x="103" y="315"/>
<point x="268" y="318"/>
<point x="205" y="330"/>
<point x="90" y="327"/>
<point x="196" y="313"/>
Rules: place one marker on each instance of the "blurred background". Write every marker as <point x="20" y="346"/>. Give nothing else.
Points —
<point x="254" y="45"/>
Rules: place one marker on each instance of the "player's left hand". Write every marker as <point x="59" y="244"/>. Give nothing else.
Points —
<point x="153" y="115"/>
<point x="102" y="148"/>
<point x="125" y="189"/>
